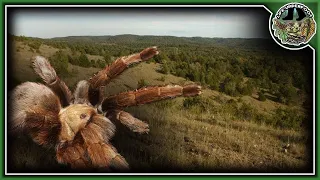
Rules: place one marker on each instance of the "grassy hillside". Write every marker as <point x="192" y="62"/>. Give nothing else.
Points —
<point x="211" y="133"/>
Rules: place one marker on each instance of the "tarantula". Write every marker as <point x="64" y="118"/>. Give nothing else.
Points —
<point x="77" y="125"/>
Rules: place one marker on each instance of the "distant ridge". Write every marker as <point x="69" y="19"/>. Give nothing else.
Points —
<point x="243" y="43"/>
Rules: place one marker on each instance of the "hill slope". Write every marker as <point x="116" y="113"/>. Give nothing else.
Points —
<point x="206" y="135"/>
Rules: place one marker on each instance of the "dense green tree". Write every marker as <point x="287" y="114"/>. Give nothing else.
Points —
<point x="84" y="61"/>
<point x="60" y="63"/>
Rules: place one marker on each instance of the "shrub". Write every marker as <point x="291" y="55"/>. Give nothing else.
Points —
<point x="162" y="78"/>
<point x="287" y="118"/>
<point x="164" y="69"/>
<point x="142" y="83"/>
<point x="261" y="119"/>
<point x="84" y="61"/>
<point x="287" y="94"/>
<point x="35" y="45"/>
<point x="107" y="58"/>
<point x="100" y="63"/>
<point x="60" y="63"/>
<point x="73" y="60"/>
<point x="246" y="112"/>
<point x="230" y="88"/>
<point x="192" y="101"/>
<point x="262" y="97"/>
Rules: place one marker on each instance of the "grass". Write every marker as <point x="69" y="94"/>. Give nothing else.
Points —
<point x="182" y="140"/>
<point x="201" y="138"/>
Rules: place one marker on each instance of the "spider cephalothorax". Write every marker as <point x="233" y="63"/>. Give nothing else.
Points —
<point x="77" y="124"/>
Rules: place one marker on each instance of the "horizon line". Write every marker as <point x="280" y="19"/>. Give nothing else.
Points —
<point x="147" y="35"/>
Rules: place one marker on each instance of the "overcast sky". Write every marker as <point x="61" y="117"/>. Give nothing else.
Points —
<point x="208" y="23"/>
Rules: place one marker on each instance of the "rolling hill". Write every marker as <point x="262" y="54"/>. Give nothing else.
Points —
<point x="213" y="133"/>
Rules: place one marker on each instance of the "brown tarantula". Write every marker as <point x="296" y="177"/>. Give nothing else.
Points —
<point x="77" y="125"/>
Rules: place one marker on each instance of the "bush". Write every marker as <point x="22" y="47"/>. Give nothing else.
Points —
<point x="262" y="97"/>
<point x="107" y="58"/>
<point x="164" y="69"/>
<point x="199" y="104"/>
<point x="287" y="118"/>
<point x="100" y="63"/>
<point x="246" y="112"/>
<point x="35" y="45"/>
<point x="142" y="83"/>
<point x="73" y="60"/>
<point x="60" y="63"/>
<point x="162" y="78"/>
<point x="192" y="101"/>
<point x="287" y="94"/>
<point x="230" y="88"/>
<point x="84" y="61"/>
<point x="261" y="119"/>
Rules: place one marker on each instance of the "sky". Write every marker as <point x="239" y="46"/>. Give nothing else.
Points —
<point x="96" y="22"/>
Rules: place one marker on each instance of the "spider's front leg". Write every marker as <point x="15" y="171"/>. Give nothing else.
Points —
<point x="43" y="68"/>
<point x="143" y="96"/>
<point x="104" y="76"/>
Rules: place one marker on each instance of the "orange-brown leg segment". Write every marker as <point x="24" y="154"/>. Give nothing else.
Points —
<point x="43" y="68"/>
<point x="104" y="76"/>
<point x="134" y="124"/>
<point x="148" y="95"/>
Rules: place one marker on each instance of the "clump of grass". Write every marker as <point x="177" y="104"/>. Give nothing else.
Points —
<point x="162" y="78"/>
<point x="142" y="83"/>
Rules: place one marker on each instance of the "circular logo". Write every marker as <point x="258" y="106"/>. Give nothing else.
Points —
<point x="294" y="25"/>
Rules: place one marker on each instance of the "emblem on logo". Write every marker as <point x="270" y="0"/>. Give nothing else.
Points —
<point x="294" y="24"/>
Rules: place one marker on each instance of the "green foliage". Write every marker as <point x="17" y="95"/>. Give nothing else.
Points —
<point x="107" y="58"/>
<point x="245" y="88"/>
<point x="98" y="63"/>
<point x="20" y="38"/>
<point x="35" y="45"/>
<point x="246" y="112"/>
<point x="164" y="68"/>
<point x="192" y="101"/>
<point x="162" y="78"/>
<point x="169" y="103"/>
<point x="73" y="60"/>
<point x="84" y="61"/>
<point x="142" y="83"/>
<point x="162" y="57"/>
<point x="229" y="86"/>
<point x="287" y="94"/>
<point x="261" y="97"/>
<point x="288" y="118"/>
<point x="60" y="63"/>
<point x="212" y="80"/>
